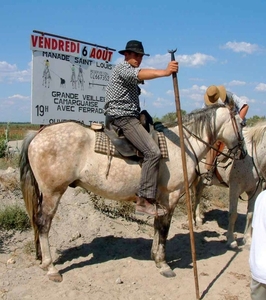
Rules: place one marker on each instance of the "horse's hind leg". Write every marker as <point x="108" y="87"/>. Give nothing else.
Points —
<point x="197" y="188"/>
<point x="45" y="217"/>
<point x="37" y="242"/>
<point x="161" y="230"/>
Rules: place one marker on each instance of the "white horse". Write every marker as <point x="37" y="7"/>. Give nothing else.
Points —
<point x="246" y="175"/>
<point x="62" y="155"/>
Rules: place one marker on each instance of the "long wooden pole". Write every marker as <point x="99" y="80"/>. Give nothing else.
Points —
<point x="184" y="163"/>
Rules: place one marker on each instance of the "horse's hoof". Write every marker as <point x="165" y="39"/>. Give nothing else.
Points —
<point x="56" y="277"/>
<point x="199" y="222"/>
<point x="168" y="273"/>
<point x="232" y="245"/>
<point x="43" y="267"/>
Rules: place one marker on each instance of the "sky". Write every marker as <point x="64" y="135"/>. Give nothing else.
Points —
<point x="217" y="42"/>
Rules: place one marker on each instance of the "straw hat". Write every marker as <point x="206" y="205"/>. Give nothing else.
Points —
<point x="213" y="93"/>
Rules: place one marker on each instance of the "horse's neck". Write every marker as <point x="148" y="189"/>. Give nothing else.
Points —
<point x="198" y="145"/>
<point x="257" y="152"/>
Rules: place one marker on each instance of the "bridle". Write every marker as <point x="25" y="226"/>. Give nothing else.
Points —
<point x="242" y="152"/>
<point x="239" y="154"/>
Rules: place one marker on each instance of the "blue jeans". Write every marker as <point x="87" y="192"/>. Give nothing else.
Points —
<point x="134" y="131"/>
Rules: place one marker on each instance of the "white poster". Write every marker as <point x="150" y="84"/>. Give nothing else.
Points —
<point x="68" y="81"/>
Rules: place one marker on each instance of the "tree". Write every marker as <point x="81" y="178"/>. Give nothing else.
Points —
<point x="255" y="119"/>
<point x="169" y="117"/>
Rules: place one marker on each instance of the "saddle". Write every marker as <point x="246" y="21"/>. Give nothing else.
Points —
<point x="118" y="145"/>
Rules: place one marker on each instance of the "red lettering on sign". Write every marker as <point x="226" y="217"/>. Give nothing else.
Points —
<point x="67" y="46"/>
<point x="99" y="54"/>
<point x="54" y="44"/>
<point x="47" y="43"/>
<point x="41" y="42"/>
<point x="74" y="47"/>
<point x="61" y="45"/>
<point x="105" y="55"/>
<point x="93" y="53"/>
<point x="34" y="40"/>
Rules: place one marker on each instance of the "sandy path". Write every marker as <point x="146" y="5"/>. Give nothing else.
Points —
<point x="105" y="258"/>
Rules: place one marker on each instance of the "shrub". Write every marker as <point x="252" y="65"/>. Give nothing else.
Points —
<point x="14" y="217"/>
<point x="3" y="147"/>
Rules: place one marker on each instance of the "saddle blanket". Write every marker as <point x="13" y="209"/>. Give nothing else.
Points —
<point x="101" y="144"/>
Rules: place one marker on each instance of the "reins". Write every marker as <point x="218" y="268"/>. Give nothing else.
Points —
<point x="205" y="143"/>
<point x="240" y="141"/>
<point x="239" y="145"/>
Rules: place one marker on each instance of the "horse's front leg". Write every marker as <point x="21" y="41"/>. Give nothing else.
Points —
<point x="161" y="230"/>
<point x="232" y="215"/>
<point x="248" y="228"/>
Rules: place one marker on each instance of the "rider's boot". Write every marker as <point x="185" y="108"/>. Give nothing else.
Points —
<point x="149" y="207"/>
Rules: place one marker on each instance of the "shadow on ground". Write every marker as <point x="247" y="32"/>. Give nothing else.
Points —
<point x="178" y="249"/>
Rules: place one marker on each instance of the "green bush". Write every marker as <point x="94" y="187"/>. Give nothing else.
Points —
<point x="3" y="147"/>
<point x="14" y="217"/>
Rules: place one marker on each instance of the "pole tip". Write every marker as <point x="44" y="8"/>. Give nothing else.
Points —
<point x="172" y="51"/>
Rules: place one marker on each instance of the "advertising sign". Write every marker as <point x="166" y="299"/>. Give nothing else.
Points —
<point x="69" y="78"/>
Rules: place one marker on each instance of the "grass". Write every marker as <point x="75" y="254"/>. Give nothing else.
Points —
<point x="13" y="132"/>
<point x="17" y="131"/>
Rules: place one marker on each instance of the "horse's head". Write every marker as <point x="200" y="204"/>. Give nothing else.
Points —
<point x="217" y="122"/>
<point x="229" y="130"/>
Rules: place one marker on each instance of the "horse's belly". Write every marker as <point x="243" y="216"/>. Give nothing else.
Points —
<point x="119" y="181"/>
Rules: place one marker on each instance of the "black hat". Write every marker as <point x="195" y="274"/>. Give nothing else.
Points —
<point x="134" y="46"/>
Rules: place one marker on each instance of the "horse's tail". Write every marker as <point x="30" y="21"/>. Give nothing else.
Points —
<point x="30" y="189"/>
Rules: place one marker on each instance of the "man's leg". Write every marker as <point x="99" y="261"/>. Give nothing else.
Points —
<point x="257" y="290"/>
<point x="142" y="140"/>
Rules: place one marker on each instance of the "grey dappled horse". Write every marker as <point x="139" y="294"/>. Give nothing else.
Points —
<point x="62" y="155"/>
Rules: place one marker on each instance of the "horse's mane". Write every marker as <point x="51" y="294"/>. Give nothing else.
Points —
<point x="198" y="119"/>
<point x="255" y="133"/>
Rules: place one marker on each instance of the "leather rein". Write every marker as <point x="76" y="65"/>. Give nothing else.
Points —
<point x="237" y="133"/>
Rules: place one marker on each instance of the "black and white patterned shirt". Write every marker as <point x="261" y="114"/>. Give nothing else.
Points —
<point x="122" y="92"/>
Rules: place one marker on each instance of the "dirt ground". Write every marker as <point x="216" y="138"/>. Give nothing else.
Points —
<point x="103" y="257"/>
